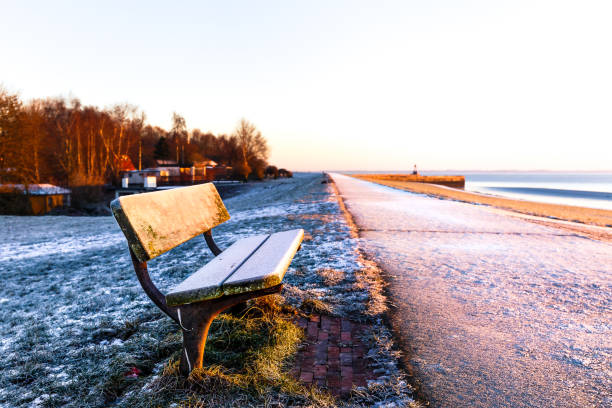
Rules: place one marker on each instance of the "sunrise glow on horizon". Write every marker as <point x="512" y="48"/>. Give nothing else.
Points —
<point x="344" y="85"/>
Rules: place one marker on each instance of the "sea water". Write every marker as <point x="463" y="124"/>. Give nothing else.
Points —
<point x="592" y="190"/>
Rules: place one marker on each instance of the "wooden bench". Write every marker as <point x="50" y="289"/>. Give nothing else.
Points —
<point x="154" y="223"/>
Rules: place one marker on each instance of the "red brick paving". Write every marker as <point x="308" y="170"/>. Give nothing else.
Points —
<point x="334" y="355"/>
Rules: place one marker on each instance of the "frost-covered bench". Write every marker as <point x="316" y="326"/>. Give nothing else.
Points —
<point x="156" y="222"/>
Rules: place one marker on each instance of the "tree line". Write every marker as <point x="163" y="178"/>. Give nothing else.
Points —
<point x="63" y="142"/>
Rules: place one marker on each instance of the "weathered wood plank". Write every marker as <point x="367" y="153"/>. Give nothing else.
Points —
<point x="207" y="282"/>
<point x="154" y="223"/>
<point x="267" y="266"/>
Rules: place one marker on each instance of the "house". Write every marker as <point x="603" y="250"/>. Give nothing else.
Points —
<point x="33" y="199"/>
<point x="143" y="178"/>
<point x="221" y="172"/>
<point x="173" y="173"/>
<point x="206" y="163"/>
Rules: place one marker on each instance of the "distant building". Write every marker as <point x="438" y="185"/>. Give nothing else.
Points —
<point x="221" y="172"/>
<point x="33" y="199"/>
<point x="170" y="173"/>
<point x="206" y="163"/>
<point x="166" y="163"/>
<point x="140" y="178"/>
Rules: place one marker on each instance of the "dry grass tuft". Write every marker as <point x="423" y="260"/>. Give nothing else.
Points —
<point x="316" y="306"/>
<point x="268" y="307"/>
<point x="319" y="217"/>
<point x="370" y="277"/>
<point x="331" y="277"/>
<point x="378" y="393"/>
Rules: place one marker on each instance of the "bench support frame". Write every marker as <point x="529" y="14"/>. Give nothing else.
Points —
<point x="194" y="318"/>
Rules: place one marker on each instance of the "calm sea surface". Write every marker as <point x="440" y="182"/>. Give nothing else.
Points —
<point x="581" y="189"/>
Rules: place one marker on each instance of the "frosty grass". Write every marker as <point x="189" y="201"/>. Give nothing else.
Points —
<point x="73" y="316"/>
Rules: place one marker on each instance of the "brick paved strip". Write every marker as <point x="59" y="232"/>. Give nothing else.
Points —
<point x="333" y="356"/>
<point x="312" y="331"/>
<point x="306" y="377"/>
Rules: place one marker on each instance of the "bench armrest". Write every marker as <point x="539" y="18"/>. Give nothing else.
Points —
<point x="211" y="243"/>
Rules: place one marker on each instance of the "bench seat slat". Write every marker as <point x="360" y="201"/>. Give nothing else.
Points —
<point x="253" y="263"/>
<point x="207" y="282"/>
<point x="267" y="266"/>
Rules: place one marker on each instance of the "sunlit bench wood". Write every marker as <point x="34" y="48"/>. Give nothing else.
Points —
<point x="154" y="223"/>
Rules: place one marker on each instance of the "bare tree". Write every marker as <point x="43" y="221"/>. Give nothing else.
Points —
<point x="35" y="133"/>
<point x="250" y="140"/>
<point x="179" y="126"/>
<point x="253" y="147"/>
<point x="10" y="146"/>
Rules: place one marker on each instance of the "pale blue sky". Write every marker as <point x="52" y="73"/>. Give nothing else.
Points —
<point x="334" y="85"/>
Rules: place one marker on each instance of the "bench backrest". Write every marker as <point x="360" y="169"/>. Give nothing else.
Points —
<point x="156" y="222"/>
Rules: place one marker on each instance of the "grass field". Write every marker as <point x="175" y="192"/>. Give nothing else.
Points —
<point x="77" y="330"/>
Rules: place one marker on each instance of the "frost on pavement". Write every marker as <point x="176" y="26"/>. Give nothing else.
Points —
<point x="494" y="310"/>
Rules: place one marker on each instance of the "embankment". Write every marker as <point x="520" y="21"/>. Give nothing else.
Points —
<point x="592" y="216"/>
<point x="448" y="181"/>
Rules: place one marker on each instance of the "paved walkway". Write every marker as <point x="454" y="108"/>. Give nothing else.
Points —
<point x="493" y="311"/>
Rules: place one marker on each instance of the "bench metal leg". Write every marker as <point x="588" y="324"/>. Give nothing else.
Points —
<point x="195" y="320"/>
<point x="194" y="339"/>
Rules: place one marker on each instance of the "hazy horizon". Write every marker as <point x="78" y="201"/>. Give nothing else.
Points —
<point x="409" y="170"/>
<point x="345" y="85"/>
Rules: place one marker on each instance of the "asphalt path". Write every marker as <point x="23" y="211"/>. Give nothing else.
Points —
<point x="491" y="310"/>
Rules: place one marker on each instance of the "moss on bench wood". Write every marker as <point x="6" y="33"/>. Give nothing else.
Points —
<point x="154" y="223"/>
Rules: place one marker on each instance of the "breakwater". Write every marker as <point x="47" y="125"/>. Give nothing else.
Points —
<point x="448" y="181"/>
